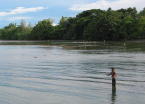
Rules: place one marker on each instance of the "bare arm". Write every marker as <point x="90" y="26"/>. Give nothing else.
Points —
<point x="115" y="75"/>
<point x="109" y="74"/>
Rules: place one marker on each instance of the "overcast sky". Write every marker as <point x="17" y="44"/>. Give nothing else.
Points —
<point x="12" y="11"/>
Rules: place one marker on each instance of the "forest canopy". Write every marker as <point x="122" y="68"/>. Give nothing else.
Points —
<point x="90" y="25"/>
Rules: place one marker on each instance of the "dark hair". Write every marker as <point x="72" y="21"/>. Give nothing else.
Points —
<point x="112" y="68"/>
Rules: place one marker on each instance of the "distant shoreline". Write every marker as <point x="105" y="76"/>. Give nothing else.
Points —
<point x="131" y="45"/>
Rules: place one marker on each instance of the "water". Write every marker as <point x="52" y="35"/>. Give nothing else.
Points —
<point x="37" y="74"/>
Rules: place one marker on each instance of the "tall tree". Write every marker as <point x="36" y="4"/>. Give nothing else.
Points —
<point x="43" y="30"/>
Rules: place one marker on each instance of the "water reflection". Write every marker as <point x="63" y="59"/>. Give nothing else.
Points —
<point x="30" y="74"/>
<point x="113" y="97"/>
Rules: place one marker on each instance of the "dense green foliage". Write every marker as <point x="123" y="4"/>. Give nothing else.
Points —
<point x="96" y="24"/>
<point x="13" y="32"/>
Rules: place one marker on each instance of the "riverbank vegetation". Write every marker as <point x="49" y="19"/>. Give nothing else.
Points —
<point x="90" y="25"/>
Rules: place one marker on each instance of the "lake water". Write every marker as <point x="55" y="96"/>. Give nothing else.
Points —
<point x="41" y="74"/>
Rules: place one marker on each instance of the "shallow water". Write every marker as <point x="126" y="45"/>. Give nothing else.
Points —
<point x="37" y="74"/>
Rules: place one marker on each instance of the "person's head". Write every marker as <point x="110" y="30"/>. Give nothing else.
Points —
<point x="113" y="69"/>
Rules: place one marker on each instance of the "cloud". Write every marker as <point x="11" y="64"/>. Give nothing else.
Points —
<point x="105" y="4"/>
<point x="54" y="24"/>
<point x="18" y="18"/>
<point x="20" y="10"/>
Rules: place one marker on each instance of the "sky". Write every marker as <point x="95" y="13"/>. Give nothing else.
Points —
<point x="13" y="11"/>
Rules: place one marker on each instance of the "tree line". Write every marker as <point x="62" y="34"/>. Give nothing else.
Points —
<point x="90" y="25"/>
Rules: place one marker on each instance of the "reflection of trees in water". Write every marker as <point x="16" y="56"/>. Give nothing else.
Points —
<point x="113" y="98"/>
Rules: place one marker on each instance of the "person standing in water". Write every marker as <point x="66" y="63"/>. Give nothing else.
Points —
<point x="113" y="75"/>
